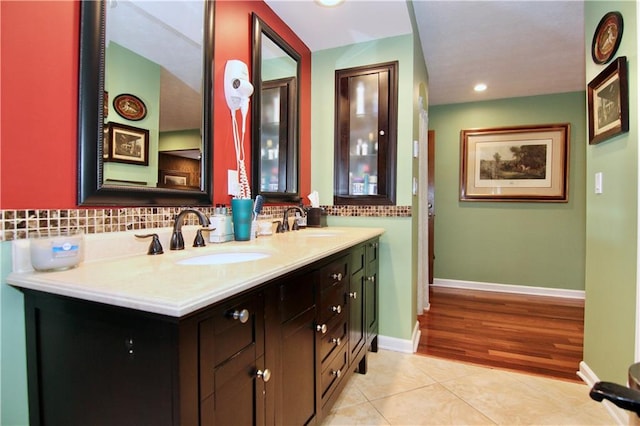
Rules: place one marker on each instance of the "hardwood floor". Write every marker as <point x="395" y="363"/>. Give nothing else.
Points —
<point x="534" y="334"/>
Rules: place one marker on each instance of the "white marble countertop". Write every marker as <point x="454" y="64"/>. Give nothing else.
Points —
<point x="117" y="271"/>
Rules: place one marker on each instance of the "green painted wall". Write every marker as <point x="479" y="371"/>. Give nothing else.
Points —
<point x="13" y="359"/>
<point x="397" y="304"/>
<point x="139" y="77"/>
<point x="612" y="218"/>
<point x="180" y="139"/>
<point x="529" y="244"/>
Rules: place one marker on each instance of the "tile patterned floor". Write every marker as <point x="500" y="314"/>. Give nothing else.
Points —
<point x="405" y="389"/>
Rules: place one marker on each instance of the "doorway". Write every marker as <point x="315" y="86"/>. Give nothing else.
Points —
<point x="431" y="191"/>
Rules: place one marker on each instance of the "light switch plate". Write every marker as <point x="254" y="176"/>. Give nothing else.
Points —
<point x="232" y="182"/>
<point x="598" y="183"/>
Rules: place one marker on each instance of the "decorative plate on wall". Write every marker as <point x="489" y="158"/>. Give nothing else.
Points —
<point x="130" y="107"/>
<point x="607" y="38"/>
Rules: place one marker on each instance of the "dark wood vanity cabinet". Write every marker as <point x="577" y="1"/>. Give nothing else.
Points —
<point x="279" y="354"/>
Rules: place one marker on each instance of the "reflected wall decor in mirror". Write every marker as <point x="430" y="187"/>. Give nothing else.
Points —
<point x="145" y="89"/>
<point x="275" y="122"/>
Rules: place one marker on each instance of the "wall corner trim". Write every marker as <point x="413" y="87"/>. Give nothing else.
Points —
<point x="401" y="345"/>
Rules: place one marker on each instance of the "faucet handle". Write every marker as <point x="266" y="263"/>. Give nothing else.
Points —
<point x="279" y="228"/>
<point x="155" y="247"/>
<point x="199" y="240"/>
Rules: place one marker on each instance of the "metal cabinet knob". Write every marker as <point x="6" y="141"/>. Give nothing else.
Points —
<point x="371" y="278"/>
<point x="242" y="315"/>
<point x="337" y="276"/>
<point x="265" y="374"/>
<point x="336" y="308"/>
<point x="353" y="295"/>
<point x="336" y="340"/>
<point x="336" y="373"/>
<point x="381" y="133"/>
<point x="321" y="328"/>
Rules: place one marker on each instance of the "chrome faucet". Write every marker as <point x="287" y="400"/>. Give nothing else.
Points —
<point x="177" y="242"/>
<point x="285" y="219"/>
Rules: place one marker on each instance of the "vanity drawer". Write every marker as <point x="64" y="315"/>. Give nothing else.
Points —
<point x="332" y="303"/>
<point x="333" y="372"/>
<point x="332" y="273"/>
<point x="231" y="327"/>
<point x="333" y="340"/>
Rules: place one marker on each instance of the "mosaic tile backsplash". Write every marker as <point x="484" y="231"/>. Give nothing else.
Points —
<point x="17" y="224"/>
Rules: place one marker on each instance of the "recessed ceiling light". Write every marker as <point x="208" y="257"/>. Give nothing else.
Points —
<point x="329" y="3"/>
<point x="480" y="87"/>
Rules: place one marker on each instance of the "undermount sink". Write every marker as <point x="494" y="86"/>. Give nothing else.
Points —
<point x="223" y="258"/>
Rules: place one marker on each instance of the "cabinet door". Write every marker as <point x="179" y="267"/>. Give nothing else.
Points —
<point x="371" y="293"/>
<point x="94" y="365"/>
<point x="365" y="135"/>
<point x="291" y="351"/>
<point x="232" y="368"/>
<point x="356" y="300"/>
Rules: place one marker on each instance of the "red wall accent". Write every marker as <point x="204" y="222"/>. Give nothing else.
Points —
<point x="38" y="104"/>
<point x="233" y="41"/>
<point x="38" y="100"/>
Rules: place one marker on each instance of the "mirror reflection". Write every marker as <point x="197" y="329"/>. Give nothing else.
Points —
<point x="145" y="103"/>
<point x="153" y="94"/>
<point x="275" y="134"/>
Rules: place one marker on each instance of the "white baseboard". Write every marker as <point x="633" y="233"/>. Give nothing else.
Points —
<point x="509" y="288"/>
<point x="622" y="417"/>
<point x="401" y="345"/>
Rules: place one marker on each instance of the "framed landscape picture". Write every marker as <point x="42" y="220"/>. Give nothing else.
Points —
<point x="128" y="144"/>
<point x="524" y="163"/>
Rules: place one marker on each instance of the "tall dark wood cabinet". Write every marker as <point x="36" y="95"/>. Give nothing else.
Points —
<point x="279" y="354"/>
<point x="366" y="135"/>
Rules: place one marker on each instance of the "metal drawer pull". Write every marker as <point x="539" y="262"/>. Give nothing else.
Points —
<point x="353" y="295"/>
<point x="242" y="315"/>
<point x="371" y="278"/>
<point x="337" y="276"/>
<point x="337" y="309"/>
<point x="264" y="375"/>
<point x="336" y="373"/>
<point x="321" y="328"/>
<point x="336" y="340"/>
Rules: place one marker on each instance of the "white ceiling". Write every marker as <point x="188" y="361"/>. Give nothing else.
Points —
<point x="518" y="48"/>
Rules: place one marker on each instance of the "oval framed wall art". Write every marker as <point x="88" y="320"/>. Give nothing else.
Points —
<point x="606" y="38"/>
<point x="130" y="107"/>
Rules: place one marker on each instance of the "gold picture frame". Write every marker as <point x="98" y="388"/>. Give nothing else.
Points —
<point x="522" y="163"/>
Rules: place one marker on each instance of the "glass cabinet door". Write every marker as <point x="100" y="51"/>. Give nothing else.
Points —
<point x="366" y="99"/>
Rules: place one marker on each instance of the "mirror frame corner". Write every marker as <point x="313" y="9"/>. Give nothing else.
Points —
<point x="90" y="191"/>
<point x="292" y="195"/>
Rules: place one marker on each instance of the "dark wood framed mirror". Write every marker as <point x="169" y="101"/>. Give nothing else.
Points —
<point x="275" y="147"/>
<point x="96" y="112"/>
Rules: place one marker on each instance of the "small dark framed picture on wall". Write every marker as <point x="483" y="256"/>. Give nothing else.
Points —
<point x="608" y="102"/>
<point x="127" y="144"/>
